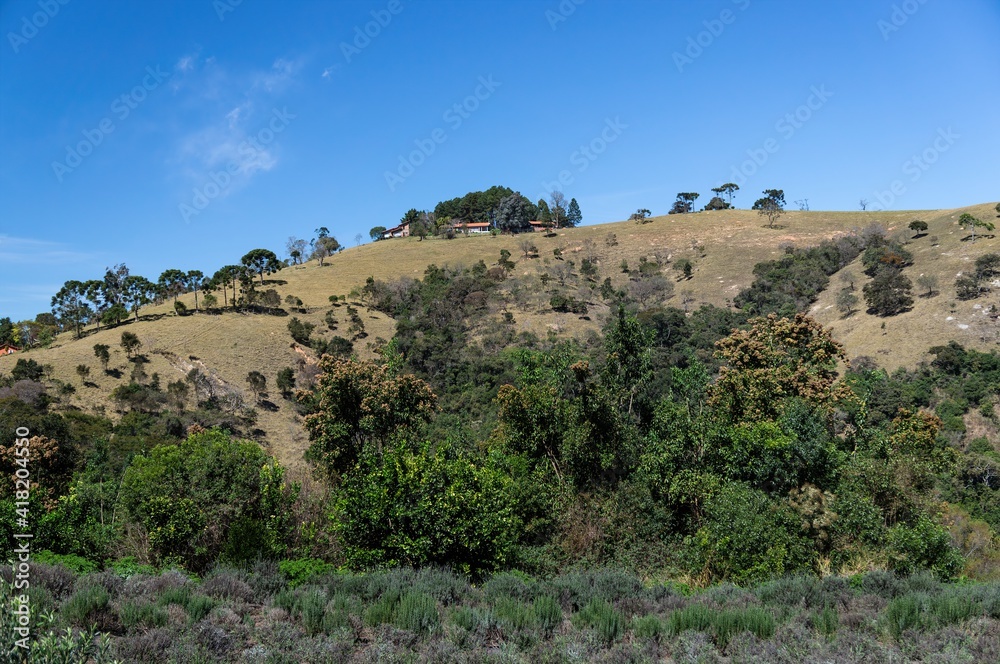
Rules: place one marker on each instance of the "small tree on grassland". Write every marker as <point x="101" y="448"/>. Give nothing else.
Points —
<point x="972" y="223"/>
<point x="257" y="382"/>
<point x="130" y="343"/>
<point x="771" y="205"/>
<point x="918" y="227"/>
<point x="103" y="353"/>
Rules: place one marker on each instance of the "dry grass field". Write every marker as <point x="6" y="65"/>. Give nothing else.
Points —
<point x="723" y="247"/>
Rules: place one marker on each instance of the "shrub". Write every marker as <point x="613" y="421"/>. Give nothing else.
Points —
<point x="648" y="627"/>
<point x="189" y="497"/>
<point x="77" y="564"/>
<point x="901" y="614"/>
<point x="80" y="608"/>
<point x="826" y="621"/>
<point x="548" y="613"/>
<point x="417" y="612"/>
<point x="514" y="616"/>
<point x="301" y="570"/>
<point x="144" y="614"/>
<point x="925" y="545"/>
<point x="603" y="619"/>
<point x="381" y="612"/>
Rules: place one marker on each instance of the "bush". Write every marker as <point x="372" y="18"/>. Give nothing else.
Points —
<point x="80" y="608"/>
<point x="144" y="614"/>
<point x="548" y="613"/>
<point x="189" y="497"/>
<point x="301" y="570"/>
<point x="925" y="545"/>
<point x="445" y="509"/>
<point x="603" y="619"/>
<point x="417" y="612"/>
<point x="648" y="627"/>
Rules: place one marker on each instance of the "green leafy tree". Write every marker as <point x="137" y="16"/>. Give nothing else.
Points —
<point x="103" y="353"/>
<point x="847" y="302"/>
<point x="889" y="293"/>
<point x="728" y="190"/>
<point x="513" y="214"/>
<point x="208" y="497"/>
<point x="195" y="281"/>
<point x="684" y="203"/>
<point x="573" y="214"/>
<point x="640" y="216"/>
<point x="971" y="223"/>
<point x="776" y="359"/>
<point x="286" y="382"/>
<point x="261" y="261"/>
<point x="130" y="343"/>
<point x="432" y="506"/>
<point x="324" y="246"/>
<point x="137" y="292"/>
<point x="544" y="213"/>
<point x="771" y="205"/>
<point x="627" y="358"/>
<point x="258" y="383"/>
<point x="717" y="204"/>
<point x="361" y="406"/>
<point x="918" y="227"/>
<point x="376" y="233"/>
<point x="172" y="282"/>
<point x="70" y="305"/>
<point x="226" y="277"/>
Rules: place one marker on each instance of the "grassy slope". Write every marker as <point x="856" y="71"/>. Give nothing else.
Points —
<point x="230" y="345"/>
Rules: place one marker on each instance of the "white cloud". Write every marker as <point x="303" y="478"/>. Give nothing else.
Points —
<point x="29" y="251"/>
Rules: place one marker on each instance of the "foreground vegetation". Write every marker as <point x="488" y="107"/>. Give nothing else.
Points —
<point x="301" y="612"/>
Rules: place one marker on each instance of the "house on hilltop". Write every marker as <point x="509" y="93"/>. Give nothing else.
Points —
<point x="403" y="230"/>
<point x="8" y="349"/>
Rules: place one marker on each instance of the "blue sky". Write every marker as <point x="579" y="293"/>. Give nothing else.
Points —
<point x="182" y="134"/>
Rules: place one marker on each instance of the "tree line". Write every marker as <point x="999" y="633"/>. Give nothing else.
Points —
<point x="120" y="294"/>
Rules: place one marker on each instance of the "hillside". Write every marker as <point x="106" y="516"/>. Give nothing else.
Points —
<point x="723" y="247"/>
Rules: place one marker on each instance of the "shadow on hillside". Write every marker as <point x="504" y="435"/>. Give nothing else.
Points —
<point x="776" y="227"/>
<point x="978" y="236"/>
<point x="275" y="282"/>
<point x="114" y="373"/>
<point x="269" y="406"/>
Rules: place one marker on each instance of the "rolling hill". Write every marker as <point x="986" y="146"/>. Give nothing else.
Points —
<point x="723" y="247"/>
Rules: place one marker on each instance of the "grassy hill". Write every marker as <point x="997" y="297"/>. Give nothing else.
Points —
<point x="723" y="247"/>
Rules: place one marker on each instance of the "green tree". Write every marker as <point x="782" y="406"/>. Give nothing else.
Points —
<point x="130" y="343"/>
<point x="324" y="246"/>
<point x="137" y="292"/>
<point x="716" y="204"/>
<point x="432" y="506"/>
<point x="918" y="227"/>
<point x="513" y="214"/>
<point x="927" y="282"/>
<point x="776" y="359"/>
<point x="847" y="302"/>
<point x="684" y="203"/>
<point x="361" y="406"/>
<point x="209" y="496"/>
<point x="889" y="293"/>
<point x="971" y="223"/>
<point x="544" y="213"/>
<point x="70" y="305"/>
<point x="376" y="233"/>
<point x="103" y="353"/>
<point x="258" y="383"/>
<point x="771" y="205"/>
<point x="640" y="216"/>
<point x="573" y="214"/>
<point x="195" y="281"/>
<point x="728" y="190"/>
<point x="286" y="382"/>
<point x="172" y="282"/>
<point x="261" y="261"/>
<point x="627" y="358"/>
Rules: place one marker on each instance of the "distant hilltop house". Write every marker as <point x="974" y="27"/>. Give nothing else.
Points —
<point x="469" y="228"/>
<point x="8" y="349"/>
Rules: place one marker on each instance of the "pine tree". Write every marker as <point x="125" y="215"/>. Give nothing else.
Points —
<point x="573" y="215"/>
